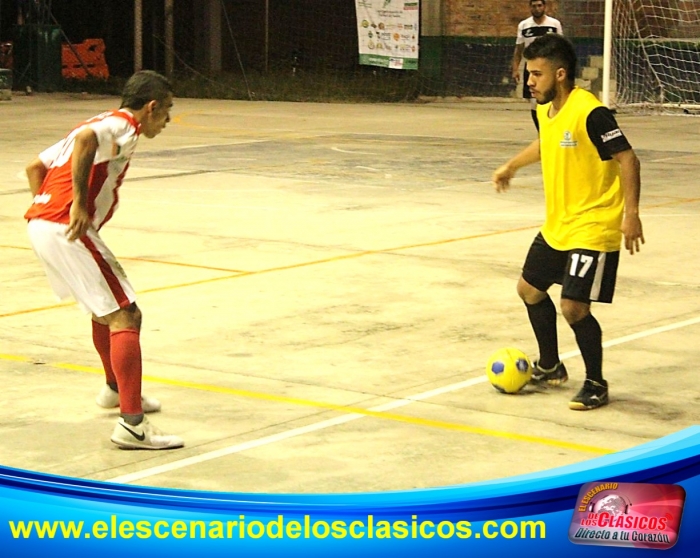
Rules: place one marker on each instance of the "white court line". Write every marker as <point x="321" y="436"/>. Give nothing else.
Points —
<point x="674" y="158"/>
<point x="233" y="205"/>
<point x="351" y="152"/>
<point x="206" y="145"/>
<point x="194" y="460"/>
<point x="478" y="157"/>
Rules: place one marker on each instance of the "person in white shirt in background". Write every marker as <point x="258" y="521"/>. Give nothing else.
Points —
<point x="538" y="24"/>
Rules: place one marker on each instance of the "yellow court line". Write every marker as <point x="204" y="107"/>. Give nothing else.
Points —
<point x="339" y="408"/>
<point x="10" y="247"/>
<point x="182" y="264"/>
<point x="672" y="202"/>
<point x="331" y="259"/>
<point x="38" y="309"/>
<point x="240" y="273"/>
<point x="147" y="260"/>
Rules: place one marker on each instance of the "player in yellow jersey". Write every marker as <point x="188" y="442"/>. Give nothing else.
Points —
<point x="592" y="183"/>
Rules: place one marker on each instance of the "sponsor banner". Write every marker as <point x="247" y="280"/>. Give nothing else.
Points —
<point x="652" y="490"/>
<point x="634" y="515"/>
<point x="388" y="33"/>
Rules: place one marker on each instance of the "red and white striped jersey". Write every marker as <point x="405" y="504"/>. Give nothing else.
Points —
<point x="117" y="135"/>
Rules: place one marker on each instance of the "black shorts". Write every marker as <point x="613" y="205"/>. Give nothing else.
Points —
<point x="584" y="275"/>
<point x="526" y="89"/>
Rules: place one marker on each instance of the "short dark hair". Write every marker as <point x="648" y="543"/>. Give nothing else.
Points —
<point x="556" y="49"/>
<point x="533" y="1"/>
<point x="143" y="87"/>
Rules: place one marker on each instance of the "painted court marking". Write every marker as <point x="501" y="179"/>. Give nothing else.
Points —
<point x="378" y="412"/>
<point x="331" y="259"/>
<point x="237" y="448"/>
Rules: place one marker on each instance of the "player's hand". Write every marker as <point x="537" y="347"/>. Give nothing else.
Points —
<point x="79" y="222"/>
<point x="501" y="178"/>
<point x="516" y="77"/>
<point x="632" y="230"/>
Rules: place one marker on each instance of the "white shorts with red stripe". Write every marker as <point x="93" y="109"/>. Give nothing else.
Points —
<point x="85" y="270"/>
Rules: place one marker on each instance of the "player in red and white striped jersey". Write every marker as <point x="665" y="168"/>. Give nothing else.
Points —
<point x="76" y="184"/>
<point x="116" y="134"/>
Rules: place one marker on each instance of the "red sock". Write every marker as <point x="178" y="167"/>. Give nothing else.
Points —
<point x="126" y="363"/>
<point x="100" y="337"/>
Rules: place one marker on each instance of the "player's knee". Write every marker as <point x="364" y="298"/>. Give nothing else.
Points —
<point x="528" y="293"/>
<point x="574" y="311"/>
<point x="125" y="318"/>
<point x="136" y="316"/>
<point x="99" y="320"/>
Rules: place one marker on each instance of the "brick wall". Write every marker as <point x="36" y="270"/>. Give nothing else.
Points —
<point x="677" y="19"/>
<point x="500" y="18"/>
<point x="479" y="35"/>
<point x="473" y="49"/>
<point x="583" y="18"/>
<point x="580" y="18"/>
<point x="688" y="26"/>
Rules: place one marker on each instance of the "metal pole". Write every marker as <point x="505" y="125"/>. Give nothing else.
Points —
<point x="212" y="23"/>
<point x="607" y="52"/>
<point x="267" y="33"/>
<point x="138" y="35"/>
<point x="169" y="38"/>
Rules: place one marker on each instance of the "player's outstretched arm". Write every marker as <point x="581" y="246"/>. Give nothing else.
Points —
<point x="501" y="177"/>
<point x="504" y="173"/>
<point x="630" y="178"/>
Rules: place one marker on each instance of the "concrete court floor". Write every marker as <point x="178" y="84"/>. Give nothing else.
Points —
<point x="321" y="287"/>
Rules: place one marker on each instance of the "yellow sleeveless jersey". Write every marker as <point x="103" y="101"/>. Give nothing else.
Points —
<point x="583" y="195"/>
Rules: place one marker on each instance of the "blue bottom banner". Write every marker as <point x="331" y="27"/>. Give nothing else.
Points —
<point x="646" y="498"/>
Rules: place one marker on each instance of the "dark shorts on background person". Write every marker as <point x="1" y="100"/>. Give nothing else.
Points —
<point x="585" y="275"/>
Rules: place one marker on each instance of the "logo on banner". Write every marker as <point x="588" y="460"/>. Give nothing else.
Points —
<point x="634" y="515"/>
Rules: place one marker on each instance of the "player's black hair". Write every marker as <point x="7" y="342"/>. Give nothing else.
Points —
<point x="143" y="87"/>
<point x="558" y="50"/>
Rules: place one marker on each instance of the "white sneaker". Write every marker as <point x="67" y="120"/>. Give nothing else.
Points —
<point x="143" y="436"/>
<point x="108" y="399"/>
